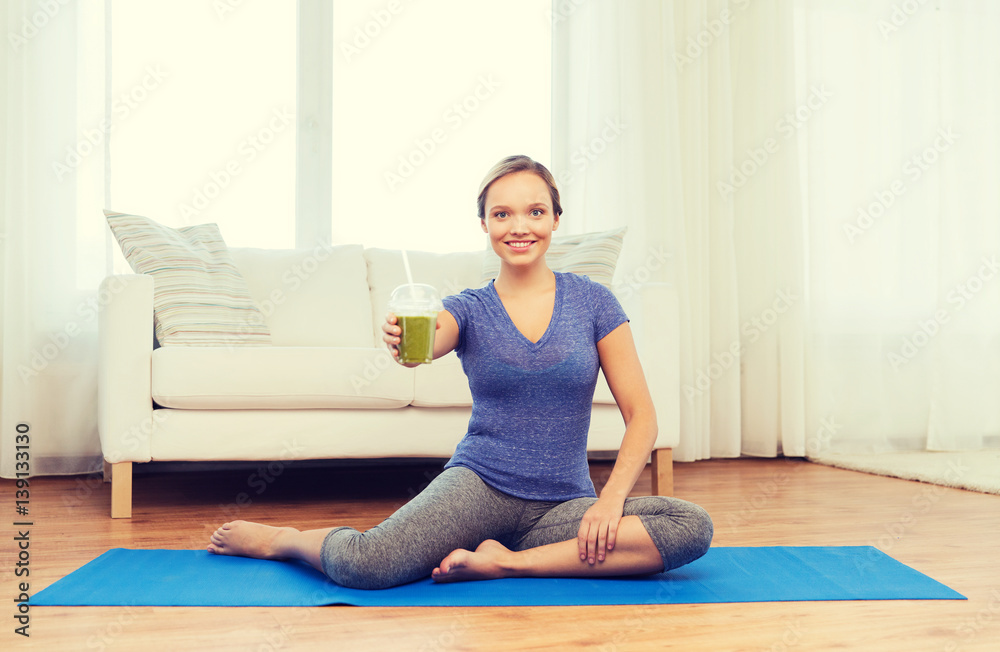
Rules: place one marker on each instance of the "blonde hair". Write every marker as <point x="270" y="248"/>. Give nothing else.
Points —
<point x="513" y="164"/>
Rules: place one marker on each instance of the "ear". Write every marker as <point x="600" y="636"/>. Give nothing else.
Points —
<point x="482" y="223"/>
<point x="555" y="223"/>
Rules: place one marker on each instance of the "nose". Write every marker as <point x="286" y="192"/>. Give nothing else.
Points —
<point x="520" y="224"/>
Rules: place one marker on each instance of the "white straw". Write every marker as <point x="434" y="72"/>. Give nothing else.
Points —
<point x="406" y="264"/>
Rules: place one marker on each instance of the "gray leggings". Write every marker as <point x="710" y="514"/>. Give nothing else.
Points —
<point x="459" y="510"/>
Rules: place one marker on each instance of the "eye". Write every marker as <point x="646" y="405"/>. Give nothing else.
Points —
<point x="538" y="212"/>
<point x="500" y="215"/>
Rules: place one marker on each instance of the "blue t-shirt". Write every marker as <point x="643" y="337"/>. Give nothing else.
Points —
<point x="531" y="401"/>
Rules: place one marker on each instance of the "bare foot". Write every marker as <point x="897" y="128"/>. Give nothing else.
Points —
<point x="247" y="539"/>
<point x="490" y="561"/>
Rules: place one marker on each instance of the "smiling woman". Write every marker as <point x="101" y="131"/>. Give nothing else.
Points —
<point x="519" y="209"/>
<point x="516" y="498"/>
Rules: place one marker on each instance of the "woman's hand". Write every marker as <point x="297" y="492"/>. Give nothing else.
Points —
<point x="599" y="529"/>
<point x="390" y="335"/>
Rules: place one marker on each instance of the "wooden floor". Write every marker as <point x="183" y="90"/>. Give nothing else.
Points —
<point x="949" y="534"/>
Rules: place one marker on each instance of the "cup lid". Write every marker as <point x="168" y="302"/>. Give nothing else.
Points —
<point x="418" y="296"/>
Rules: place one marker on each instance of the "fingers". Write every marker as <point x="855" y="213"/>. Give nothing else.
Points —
<point x="591" y="541"/>
<point x="390" y="334"/>
<point x="597" y="536"/>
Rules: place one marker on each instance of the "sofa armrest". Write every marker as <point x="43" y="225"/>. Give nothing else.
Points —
<point x="125" y="348"/>
<point x="655" y="321"/>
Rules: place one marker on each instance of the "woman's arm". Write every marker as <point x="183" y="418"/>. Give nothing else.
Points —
<point x="623" y="371"/>
<point x="445" y="337"/>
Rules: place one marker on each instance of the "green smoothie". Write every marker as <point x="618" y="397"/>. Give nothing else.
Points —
<point x="416" y="342"/>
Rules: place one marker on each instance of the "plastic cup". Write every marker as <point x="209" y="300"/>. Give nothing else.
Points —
<point x="416" y="308"/>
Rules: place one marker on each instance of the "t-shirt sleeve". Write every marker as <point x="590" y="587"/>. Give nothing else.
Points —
<point x="608" y="312"/>
<point x="460" y="308"/>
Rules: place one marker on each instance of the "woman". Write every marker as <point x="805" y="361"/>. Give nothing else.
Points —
<point x="516" y="498"/>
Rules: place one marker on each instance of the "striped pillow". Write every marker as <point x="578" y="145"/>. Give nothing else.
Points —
<point x="199" y="296"/>
<point x="588" y="254"/>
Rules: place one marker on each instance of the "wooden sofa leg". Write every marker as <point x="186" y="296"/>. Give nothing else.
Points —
<point x="121" y="490"/>
<point x="662" y="468"/>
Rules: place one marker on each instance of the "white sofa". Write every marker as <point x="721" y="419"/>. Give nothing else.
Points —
<point x="326" y="387"/>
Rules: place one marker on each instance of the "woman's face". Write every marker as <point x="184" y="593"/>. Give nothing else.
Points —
<point x="519" y="218"/>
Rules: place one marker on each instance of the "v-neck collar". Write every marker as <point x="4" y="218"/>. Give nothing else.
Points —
<point x="557" y="303"/>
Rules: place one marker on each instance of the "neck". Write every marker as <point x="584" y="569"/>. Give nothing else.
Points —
<point x="518" y="280"/>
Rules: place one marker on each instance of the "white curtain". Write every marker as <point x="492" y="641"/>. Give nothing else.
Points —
<point x="904" y="229"/>
<point x="52" y="180"/>
<point x="751" y="135"/>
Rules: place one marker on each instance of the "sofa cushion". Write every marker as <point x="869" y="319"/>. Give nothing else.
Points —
<point x="277" y="377"/>
<point x="588" y="254"/>
<point x="449" y="273"/>
<point x="310" y="297"/>
<point x="199" y="296"/>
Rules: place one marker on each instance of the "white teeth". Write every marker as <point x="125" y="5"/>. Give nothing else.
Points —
<point x="519" y="245"/>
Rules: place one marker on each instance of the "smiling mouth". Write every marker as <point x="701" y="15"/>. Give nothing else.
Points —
<point x="519" y="245"/>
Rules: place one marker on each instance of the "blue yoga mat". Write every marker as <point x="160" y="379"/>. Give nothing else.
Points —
<point x="122" y="577"/>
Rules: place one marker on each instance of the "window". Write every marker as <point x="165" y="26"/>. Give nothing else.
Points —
<point x="426" y="98"/>
<point x="203" y="113"/>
